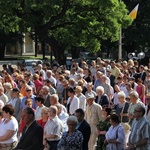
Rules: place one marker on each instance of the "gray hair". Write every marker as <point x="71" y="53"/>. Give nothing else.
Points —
<point x="48" y="71"/>
<point x="73" y="119"/>
<point x="55" y="96"/>
<point x="59" y="106"/>
<point x="122" y="94"/>
<point x="134" y="94"/>
<point x="46" y="88"/>
<point x="100" y="88"/>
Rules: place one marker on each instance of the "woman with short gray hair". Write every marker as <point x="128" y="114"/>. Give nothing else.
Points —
<point x="73" y="139"/>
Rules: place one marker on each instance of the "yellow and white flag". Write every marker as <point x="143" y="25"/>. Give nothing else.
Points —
<point x="133" y="13"/>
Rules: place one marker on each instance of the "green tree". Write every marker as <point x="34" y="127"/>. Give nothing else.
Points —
<point x="66" y="24"/>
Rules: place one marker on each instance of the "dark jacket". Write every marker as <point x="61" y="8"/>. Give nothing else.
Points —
<point x="85" y="129"/>
<point x="32" y="139"/>
<point x="103" y="100"/>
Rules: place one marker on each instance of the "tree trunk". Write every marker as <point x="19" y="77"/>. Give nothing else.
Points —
<point x="2" y="51"/>
<point x="36" y="45"/>
<point x="43" y="49"/>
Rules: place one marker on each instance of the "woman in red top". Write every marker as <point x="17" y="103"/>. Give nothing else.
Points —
<point x="44" y="115"/>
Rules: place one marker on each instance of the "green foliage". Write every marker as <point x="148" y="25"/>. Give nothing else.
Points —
<point x="78" y="23"/>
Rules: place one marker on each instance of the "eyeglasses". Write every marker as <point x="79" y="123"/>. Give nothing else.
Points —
<point x="137" y="111"/>
<point x="28" y="90"/>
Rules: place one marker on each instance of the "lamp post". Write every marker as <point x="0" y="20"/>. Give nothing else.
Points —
<point x="120" y="45"/>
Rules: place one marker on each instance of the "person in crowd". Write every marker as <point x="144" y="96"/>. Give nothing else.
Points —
<point x="30" y="95"/>
<point x="129" y="88"/>
<point x="53" y="129"/>
<point x="133" y="83"/>
<point x="147" y="83"/>
<point x="52" y="90"/>
<point x="141" y="90"/>
<point x="32" y="135"/>
<point x="40" y="70"/>
<point x="134" y="101"/>
<point x="23" y="86"/>
<point x="93" y="69"/>
<point x="73" y="74"/>
<point x="73" y="139"/>
<point x="46" y="94"/>
<point x="98" y="81"/>
<point x="72" y="83"/>
<point x="54" y="99"/>
<point x="142" y="73"/>
<point x="63" y="116"/>
<point x="102" y="127"/>
<point x="147" y="108"/>
<point x="139" y="138"/>
<point x="92" y="115"/>
<point x="115" y="135"/>
<point x="1" y="116"/>
<point x="111" y="77"/>
<point x="8" y="129"/>
<point x="3" y="97"/>
<point x="115" y="70"/>
<point x="121" y="110"/>
<point x="115" y="98"/>
<point x="8" y="87"/>
<point x="1" y="104"/>
<point x="72" y="102"/>
<point x="27" y="78"/>
<point x="15" y="101"/>
<point x="50" y="77"/>
<point x="82" y="98"/>
<point x="87" y="75"/>
<point x="101" y="98"/>
<point x="40" y="105"/>
<point x="38" y="84"/>
<point x="44" y="117"/>
<point x="83" y="127"/>
<point x="65" y="96"/>
<point x="89" y="87"/>
<point x="82" y="84"/>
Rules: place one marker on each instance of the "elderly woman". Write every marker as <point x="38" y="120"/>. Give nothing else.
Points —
<point x="101" y="98"/>
<point x="134" y="102"/>
<point x="115" y="136"/>
<point x="102" y="128"/>
<point x="9" y="129"/>
<point x="73" y="139"/>
<point x="44" y="117"/>
<point x="122" y="111"/>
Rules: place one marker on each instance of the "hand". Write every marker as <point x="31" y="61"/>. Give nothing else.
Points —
<point x="44" y="142"/>
<point x="131" y="146"/>
<point x="121" y="114"/>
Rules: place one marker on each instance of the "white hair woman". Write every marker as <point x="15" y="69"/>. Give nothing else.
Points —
<point x="72" y="139"/>
<point x="122" y="111"/>
<point x="101" y="98"/>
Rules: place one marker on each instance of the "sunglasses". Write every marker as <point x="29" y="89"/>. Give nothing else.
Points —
<point x="28" y="90"/>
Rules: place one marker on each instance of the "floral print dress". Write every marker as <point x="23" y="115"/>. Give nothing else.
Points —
<point x="71" y="141"/>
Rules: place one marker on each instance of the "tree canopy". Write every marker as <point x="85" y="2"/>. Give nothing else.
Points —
<point x="66" y="23"/>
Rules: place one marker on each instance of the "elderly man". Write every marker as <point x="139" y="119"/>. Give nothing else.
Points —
<point x="92" y="116"/>
<point x="139" y="138"/>
<point x="46" y="95"/>
<point x="32" y="134"/>
<point x="53" y="129"/>
<point x="54" y="99"/>
<point x="50" y="77"/>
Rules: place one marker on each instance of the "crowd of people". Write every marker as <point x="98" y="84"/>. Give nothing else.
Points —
<point x="104" y="105"/>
